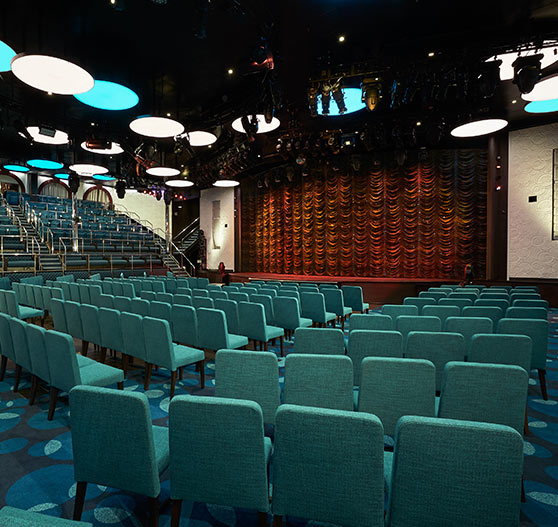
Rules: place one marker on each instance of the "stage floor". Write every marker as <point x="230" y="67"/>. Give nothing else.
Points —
<point x="243" y="277"/>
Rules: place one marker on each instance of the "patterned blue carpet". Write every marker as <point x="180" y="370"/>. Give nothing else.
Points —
<point x="36" y="471"/>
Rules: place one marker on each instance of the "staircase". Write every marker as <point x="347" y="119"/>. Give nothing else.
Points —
<point x="173" y="265"/>
<point x="188" y="242"/>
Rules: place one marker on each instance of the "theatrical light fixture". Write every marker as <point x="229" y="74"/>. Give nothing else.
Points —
<point x="102" y="177"/>
<point x="313" y="101"/>
<point x="62" y="175"/>
<point x="45" y="164"/>
<point x="51" y="74"/>
<point x="159" y="127"/>
<point x="200" y="138"/>
<point x="488" y="78"/>
<point x="263" y="127"/>
<point x="106" y="95"/>
<point x="6" y="56"/>
<point x="250" y="126"/>
<point x="107" y="149"/>
<point x="48" y="136"/>
<point x="542" y="106"/>
<point x="545" y="90"/>
<point x="225" y="183"/>
<point x="179" y="183"/>
<point x="120" y="188"/>
<point x="352" y="98"/>
<point x="527" y="71"/>
<point x="86" y="169"/>
<point x="325" y="93"/>
<point x="339" y="98"/>
<point x="370" y="93"/>
<point x="550" y="56"/>
<point x="73" y="183"/>
<point x="163" y="171"/>
<point x="16" y="168"/>
<point x="478" y="128"/>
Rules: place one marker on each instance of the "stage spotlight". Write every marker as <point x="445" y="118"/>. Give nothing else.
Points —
<point x="73" y="183"/>
<point x="370" y="93"/>
<point x="168" y="198"/>
<point x="250" y="125"/>
<point x="313" y="101"/>
<point x="158" y="195"/>
<point x="326" y="98"/>
<point x="22" y="131"/>
<point x="339" y="98"/>
<point x="269" y="111"/>
<point x="120" y="188"/>
<point x="527" y="71"/>
<point x="488" y="78"/>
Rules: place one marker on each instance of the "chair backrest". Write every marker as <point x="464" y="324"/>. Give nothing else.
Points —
<point x="490" y="295"/>
<point x="128" y="290"/>
<point x="531" y="303"/>
<point x="139" y="306"/>
<point x="249" y="375"/>
<point x="73" y="318"/>
<point x="58" y="315"/>
<point x="123" y="304"/>
<point x="287" y="312"/>
<point x="3" y="302"/>
<point x="74" y="292"/>
<point x="267" y="302"/>
<point x="536" y="329"/>
<point x="396" y="310"/>
<point x="483" y="480"/>
<point x="371" y="343"/>
<point x="84" y="294"/>
<point x="183" y="291"/>
<point x="164" y="297"/>
<point x="112" y="439"/>
<point x="159" y="349"/>
<point x="65" y="286"/>
<point x="527" y="312"/>
<point x="38" y="293"/>
<point x="502" y="349"/>
<point x="346" y="486"/>
<point x="393" y="387"/>
<point x="111" y="331"/>
<point x="158" y="287"/>
<point x="117" y="288"/>
<point x="95" y="292"/>
<point x="230" y="308"/>
<point x="492" y="302"/>
<point x="185" y="325"/>
<point x="239" y="297"/>
<point x="148" y="295"/>
<point x="12" y="303"/>
<point x="492" y="312"/>
<point x="6" y="342"/>
<point x="223" y="295"/>
<point x="353" y="297"/>
<point x="62" y="361"/>
<point x="20" y="345"/>
<point x="523" y="296"/>
<point x="472" y="295"/>
<point x="438" y="348"/>
<point x="469" y="326"/>
<point x="90" y="324"/>
<point x="212" y="329"/>
<point x="370" y="322"/>
<point x="490" y="393"/>
<point x="313" y="306"/>
<point x="202" y="301"/>
<point x="407" y="323"/>
<point x="526" y="288"/>
<point x="106" y="301"/>
<point x="252" y="321"/>
<point x="324" y="381"/>
<point x="200" y="292"/>
<point x="182" y="300"/>
<point x="442" y="312"/>
<point x="435" y="295"/>
<point x="161" y="310"/>
<point x="268" y="291"/>
<point x="289" y="292"/>
<point x="334" y="301"/>
<point x="459" y="302"/>
<point x="321" y="341"/>
<point x="37" y="351"/>
<point x="237" y="427"/>
<point x="418" y="301"/>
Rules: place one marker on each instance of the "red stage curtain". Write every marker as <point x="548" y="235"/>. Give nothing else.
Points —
<point x="423" y="219"/>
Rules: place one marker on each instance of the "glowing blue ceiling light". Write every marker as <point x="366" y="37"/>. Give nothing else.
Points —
<point x="103" y="177"/>
<point x="353" y="102"/>
<point x="62" y="176"/>
<point x="16" y="168"/>
<point x="542" y="106"/>
<point x="6" y="56"/>
<point x="45" y="164"/>
<point x="107" y="95"/>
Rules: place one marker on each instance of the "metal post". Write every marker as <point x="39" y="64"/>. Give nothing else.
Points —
<point x="75" y="234"/>
<point x="167" y="227"/>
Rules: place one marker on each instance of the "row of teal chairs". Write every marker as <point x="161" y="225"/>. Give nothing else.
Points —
<point x="9" y="304"/>
<point x="340" y="476"/>
<point x="501" y="303"/>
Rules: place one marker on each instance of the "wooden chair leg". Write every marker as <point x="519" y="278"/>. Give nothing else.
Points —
<point x="18" y="378"/>
<point x="34" y="387"/>
<point x="523" y="499"/>
<point x="181" y="372"/>
<point x="542" y="380"/>
<point x="175" y="512"/>
<point x="154" y="512"/>
<point x="3" y="364"/>
<point x="342" y="323"/>
<point x="281" y="346"/>
<point x="526" y="425"/>
<point x="120" y="385"/>
<point x="53" y="399"/>
<point x="262" y="519"/>
<point x="202" y="373"/>
<point x="80" y="499"/>
<point x="265" y="346"/>
<point x="103" y="357"/>
<point x="277" y="521"/>
<point x="84" y="347"/>
<point x="125" y="364"/>
<point x="173" y="383"/>
<point x="148" y="368"/>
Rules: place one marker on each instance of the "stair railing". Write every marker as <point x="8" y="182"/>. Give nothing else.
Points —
<point x="183" y="260"/>
<point x="187" y="231"/>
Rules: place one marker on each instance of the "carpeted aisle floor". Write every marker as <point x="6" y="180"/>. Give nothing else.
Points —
<point x="36" y="469"/>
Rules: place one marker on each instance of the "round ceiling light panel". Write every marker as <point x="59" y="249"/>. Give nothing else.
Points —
<point x="51" y="74"/>
<point x="6" y="56"/>
<point x="45" y="164"/>
<point x="106" y="95"/>
<point x="159" y="127"/>
<point x="103" y="177"/>
<point x="16" y="168"/>
<point x="200" y="138"/>
<point x="263" y="127"/>
<point x="179" y="183"/>
<point x="48" y="136"/>
<point x="163" y="171"/>
<point x="542" y="106"/>
<point x="62" y="175"/>
<point x="478" y="128"/>
<point x="114" y="149"/>
<point x="545" y="90"/>
<point x="85" y="169"/>
<point x="226" y="183"/>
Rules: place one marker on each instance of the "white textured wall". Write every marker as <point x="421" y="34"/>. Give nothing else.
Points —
<point x="219" y="234"/>
<point x="531" y="251"/>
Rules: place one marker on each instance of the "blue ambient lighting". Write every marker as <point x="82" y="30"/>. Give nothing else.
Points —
<point x="103" y="177"/>
<point x="542" y="106"/>
<point x="107" y="95"/>
<point x="62" y="176"/>
<point x="353" y="102"/>
<point x="6" y="56"/>
<point x="45" y="164"/>
<point x="16" y="168"/>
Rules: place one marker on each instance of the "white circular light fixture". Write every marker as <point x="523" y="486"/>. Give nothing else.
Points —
<point x="114" y="149"/>
<point x="163" y="171"/>
<point x="226" y="183"/>
<point x="263" y="127"/>
<point x="179" y="183"/>
<point x="84" y="169"/>
<point x="550" y="56"/>
<point x="43" y="135"/>
<point x="51" y="74"/>
<point x="160" y="127"/>
<point x="200" y="138"/>
<point x="545" y="90"/>
<point x="478" y="128"/>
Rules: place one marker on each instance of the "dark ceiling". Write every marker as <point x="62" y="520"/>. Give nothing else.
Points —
<point x="176" y="54"/>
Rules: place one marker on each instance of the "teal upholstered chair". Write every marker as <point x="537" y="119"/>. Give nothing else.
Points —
<point x="287" y="292"/>
<point x="59" y="315"/>
<point x="6" y="343"/>
<point x="21" y="312"/>
<point x="65" y="286"/>
<point x="148" y="295"/>
<point x="230" y="308"/>
<point x="111" y="332"/>
<point x="249" y="375"/>
<point x="115" y="445"/>
<point x="73" y="321"/>
<point x="287" y="315"/>
<point x="496" y="302"/>
<point x="435" y="295"/>
<point x="139" y="306"/>
<point x="321" y="341"/>
<point x="324" y="381"/>
<point x="20" y="348"/>
<point x="526" y="288"/>
<point x="472" y="476"/>
<point x="202" y="301"/>
<point x="531" y="303"/>
<point x="393" y="387"/>
<point x="106" y="301"/>
<point x="492" y="312"/>
<point x="442" y="312"/>
<point x="107" y="287"/>
<point x="161" y="310"/>
<point x="371" y="322"/>
<point x="66" y="371"/>
<point x="372" y="343"/>
<point x="182" y="300"/>
<point x="158" y="287"/>
<point x="203" y="283"/>
<point x="523" y="296"/>
<point x="459" y="302"/>
<point x="231" y="288"/>
<point x="269" y="291"/>
<point x="491" y="393"/>
<point x="134" y="339"/>
<point x="213" y="287"/>
<point x="38" y="293"/>
<point x="38" y="356"/>
<point x="90" y="326"/>
<point x="161" y="351"/>
<point x="418" y="301"/>
<point x="396" y="310"/>
<point x="239" y="296"/>
<point x="12" y="517"/>
<point x="471" y="295"/>
<point x="337" y="477"/>
<point x="116" y="288"/>
<point x="123" y="304"/>
<point x="438" y="348"/>
<point x="235" y="474"/>
<point x="494" y="295"/>
<point x="74" y="292"/>
<point x="185" y="325"/>
<point x="147" y="285"/>
<point x="200" y="292"/>
<point x="502" y="349"/>
<point x="469" y="326"/>
<point x="407" y="323"/>
<point x="526" y="312"/>
<point x="84" y="294"/>
<point x="267" y="302"/>
<point x="313" y="307"/>
<point x="216" y="295"/>
<point x="254" y="325"/>
<point x="537" y="330"/>
<point x="335" y="303"/>
<point x="213" y="331"/>
<point x="128" y="290"/>
<point x="95" y="292"/>
<point x="352" y="295"/>
<point x="164" y="297"/>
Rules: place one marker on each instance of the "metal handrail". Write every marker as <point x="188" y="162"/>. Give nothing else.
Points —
<point x="190" y="228"/>
<point x="183" y="257"/>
